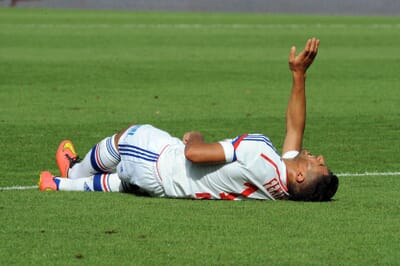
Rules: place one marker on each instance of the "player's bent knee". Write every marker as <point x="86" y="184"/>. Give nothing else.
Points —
<point x="119" y="134"/>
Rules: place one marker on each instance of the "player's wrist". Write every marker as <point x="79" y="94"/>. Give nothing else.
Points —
<point x="299" y="73"/>
<point x="299" y="76"/>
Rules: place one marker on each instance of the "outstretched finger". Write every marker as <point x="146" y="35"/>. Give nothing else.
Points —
<point x="314" y="45"/>
<point x="307" y="48"/>
<point x="292" y="54"/>
<point x="313" y="48"/>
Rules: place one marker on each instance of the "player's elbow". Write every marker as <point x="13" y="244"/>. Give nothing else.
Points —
<point x="191" y="154"/>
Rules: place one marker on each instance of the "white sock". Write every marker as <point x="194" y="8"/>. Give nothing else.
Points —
<point x="108" y="182"/>
<point x="102" y="158"/>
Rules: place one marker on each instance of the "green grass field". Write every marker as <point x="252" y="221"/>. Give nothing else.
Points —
<point x="85" y="75"/>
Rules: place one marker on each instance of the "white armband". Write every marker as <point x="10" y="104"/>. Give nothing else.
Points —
<point x="290" y="154"/>
<point x="228" y="150"/>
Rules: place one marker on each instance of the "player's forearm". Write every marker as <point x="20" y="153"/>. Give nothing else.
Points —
<point x="296" y="110"/>
<point x="200" y="152"/>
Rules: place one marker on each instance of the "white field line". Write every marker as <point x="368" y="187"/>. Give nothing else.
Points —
<point x="339" y="175"/>
<point x="208" y="26"/>
<point x="369" y="174"/>
<point x="18" y="188"/>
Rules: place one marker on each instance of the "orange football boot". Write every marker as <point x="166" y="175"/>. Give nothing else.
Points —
<point x="46" y="181"/>
<point x="66" y="157"/>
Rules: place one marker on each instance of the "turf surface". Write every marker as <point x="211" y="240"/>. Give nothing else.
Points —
<point x="87" y="74"/>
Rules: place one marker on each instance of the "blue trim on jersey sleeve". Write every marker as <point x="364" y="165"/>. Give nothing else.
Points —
<point x="252" y="137"/>
<point x="261" y="138"/>
<point x="234" y="154"/>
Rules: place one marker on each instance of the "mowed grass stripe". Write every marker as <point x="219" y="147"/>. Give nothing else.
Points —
<point x="207" y="26"/>
<point x="20" y="187"/>
<point x="87" y="82"/>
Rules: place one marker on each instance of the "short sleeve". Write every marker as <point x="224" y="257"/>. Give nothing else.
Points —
<point x="228" y="150"/>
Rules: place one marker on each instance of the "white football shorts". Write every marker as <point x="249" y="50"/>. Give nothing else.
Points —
<point x="140" y="147"/>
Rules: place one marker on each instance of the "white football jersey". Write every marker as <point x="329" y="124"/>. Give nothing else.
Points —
<point x="256" y="172"/>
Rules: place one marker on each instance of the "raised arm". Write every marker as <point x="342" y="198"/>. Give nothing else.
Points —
<point x="198" y="151"/>
<point x="296" y="110"/>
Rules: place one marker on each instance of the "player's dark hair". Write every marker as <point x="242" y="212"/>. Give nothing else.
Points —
<point x="321" y="188"/>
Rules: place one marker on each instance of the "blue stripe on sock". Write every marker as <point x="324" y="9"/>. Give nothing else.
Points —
<point x="93" y="160"/>
<point x="108" y="182"/>
<point x="111" y="150"/>
<point x="97" y="182"/>
<point x="57" y="181"/>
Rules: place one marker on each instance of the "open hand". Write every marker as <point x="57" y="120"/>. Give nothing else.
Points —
<point x="301" y="62"/>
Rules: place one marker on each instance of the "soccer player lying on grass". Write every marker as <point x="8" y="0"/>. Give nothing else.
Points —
<point x="146" y="159"/>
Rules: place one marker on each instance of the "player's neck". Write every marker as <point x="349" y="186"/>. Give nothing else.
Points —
<point x="291" y="169"/>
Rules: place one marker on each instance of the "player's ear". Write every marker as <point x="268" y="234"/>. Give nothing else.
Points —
<point x="301" y="170"/>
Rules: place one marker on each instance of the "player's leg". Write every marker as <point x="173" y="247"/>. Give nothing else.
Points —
<point x="102" y="158"/>
<point x="100" y="182"/>
<point x="140" y="147"/>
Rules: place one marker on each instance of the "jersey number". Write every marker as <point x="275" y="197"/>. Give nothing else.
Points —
<point x="250" y="189"/>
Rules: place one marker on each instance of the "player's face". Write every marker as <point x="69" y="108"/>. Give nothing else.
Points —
<point x="315" y="164"/>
